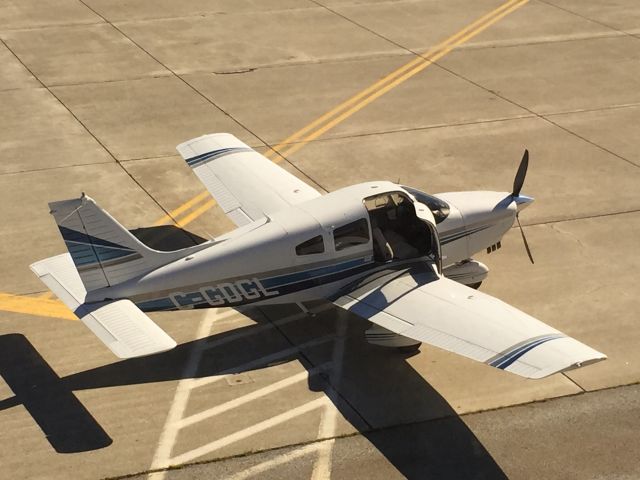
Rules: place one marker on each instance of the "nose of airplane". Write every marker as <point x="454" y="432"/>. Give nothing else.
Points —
<point x="522" y="201"/>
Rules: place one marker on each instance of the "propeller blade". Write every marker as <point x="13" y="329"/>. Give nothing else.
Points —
<point x="521" y="173"/>
<point x="524" y="239"/>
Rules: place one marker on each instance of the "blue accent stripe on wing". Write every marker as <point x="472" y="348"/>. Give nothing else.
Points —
<point x="514" y="354"/>
<point x="208" y="156"/>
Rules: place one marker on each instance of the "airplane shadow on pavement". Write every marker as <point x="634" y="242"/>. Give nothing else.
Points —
<point x="66" y="423"/>
<point x="374" y="388"/>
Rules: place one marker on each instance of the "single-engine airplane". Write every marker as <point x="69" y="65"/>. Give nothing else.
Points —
<point x="389" y="253"/>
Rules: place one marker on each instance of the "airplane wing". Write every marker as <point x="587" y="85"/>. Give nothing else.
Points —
<point x="414" y="302"/>
<point x="119" y="324"/>
<point x="247" y="185"/>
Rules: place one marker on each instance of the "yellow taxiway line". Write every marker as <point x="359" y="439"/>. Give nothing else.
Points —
<point x="196" y="206"/>
<point x="43" y="307"/>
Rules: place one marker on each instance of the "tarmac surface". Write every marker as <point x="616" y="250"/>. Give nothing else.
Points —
<point x="96" y="94"/>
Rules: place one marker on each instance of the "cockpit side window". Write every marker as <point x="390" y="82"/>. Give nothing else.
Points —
<point x="312" y="246"/>
<point x="351" y="234"/>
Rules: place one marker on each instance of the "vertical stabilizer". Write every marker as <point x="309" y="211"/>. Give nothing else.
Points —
<point x="103" y="251"/>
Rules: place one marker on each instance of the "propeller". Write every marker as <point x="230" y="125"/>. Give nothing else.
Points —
<point x="524" y="239"/>
<point x="518" y="181"/>
<point x="520" y="174"/>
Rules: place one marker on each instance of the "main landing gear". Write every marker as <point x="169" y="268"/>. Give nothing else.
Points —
<point x="409" y="348"/>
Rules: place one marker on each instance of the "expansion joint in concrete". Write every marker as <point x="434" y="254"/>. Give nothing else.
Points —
<point x="593" y="20"/>
<point x="538" y="115"/>
<point x="80" y="122"/>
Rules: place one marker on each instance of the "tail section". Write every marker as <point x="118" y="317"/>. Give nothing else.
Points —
<point x="103" y="251"/>
<point x="119" y="324"/>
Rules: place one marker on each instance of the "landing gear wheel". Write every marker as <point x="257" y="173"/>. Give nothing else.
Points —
<point x="475" y="286"/>
<point x="409" y="348"/>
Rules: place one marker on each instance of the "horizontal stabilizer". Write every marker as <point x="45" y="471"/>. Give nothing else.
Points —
<point x="60" y="275"/>
<point x="121" y="326"/>
<point x="125" y="329"/>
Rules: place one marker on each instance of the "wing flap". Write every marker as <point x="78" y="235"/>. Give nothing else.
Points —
<point x="418" y="304"/>
<point x="246" y="185"/>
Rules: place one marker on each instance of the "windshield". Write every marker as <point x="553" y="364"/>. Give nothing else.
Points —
<point x="439" y="208"/>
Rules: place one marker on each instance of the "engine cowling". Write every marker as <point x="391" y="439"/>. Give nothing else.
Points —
<point x="469" y="272"/>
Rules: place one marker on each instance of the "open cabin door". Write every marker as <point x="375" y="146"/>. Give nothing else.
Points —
<point x="398" y="232"/>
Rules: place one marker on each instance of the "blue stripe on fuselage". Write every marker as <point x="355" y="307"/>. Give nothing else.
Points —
<point x="280" y="280"/>
<point x="285" y="284"/>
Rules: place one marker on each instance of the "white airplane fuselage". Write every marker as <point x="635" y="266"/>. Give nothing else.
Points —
<point x="259" y="263"/>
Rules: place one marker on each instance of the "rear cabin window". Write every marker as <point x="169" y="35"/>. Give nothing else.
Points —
<point x="311" y="246"/>
<point x="351" y="234"/>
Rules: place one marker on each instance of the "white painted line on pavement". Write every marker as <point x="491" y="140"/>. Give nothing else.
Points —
<point x="247" y="432"/>
<point x="252" y="330"/>
<point x="180" y="399"/>
<point x="329" y="419"/>
<point x="175" y="420"/>
<point x="259" y="362"/>
<point x="327" y="428"/>
<point x="279" y="460"/>
<point x="236" y="402"/>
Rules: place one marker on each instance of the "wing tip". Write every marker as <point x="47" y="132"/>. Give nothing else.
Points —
<point x="206" y="144"/>
<point x="126" y="353"/>
<point x="543" y="373"/>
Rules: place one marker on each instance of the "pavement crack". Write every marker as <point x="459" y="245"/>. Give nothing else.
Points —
<point x="589" y="110"/>
<point x="412" y="129"/>
<point x="235" y="72"/>
<point x="205" y="14"/>
<point x="363" y="27"/>
<point x="566" y="233"/>
<point x="583" y="217"/>
<point x="57" y="167"/>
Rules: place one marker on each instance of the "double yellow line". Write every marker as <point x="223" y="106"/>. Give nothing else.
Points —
<point x="203" y="202"/>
